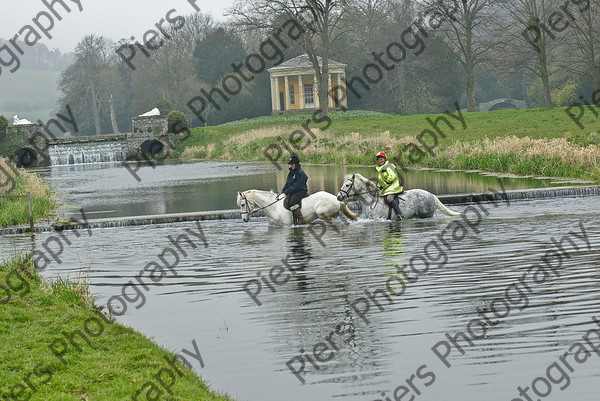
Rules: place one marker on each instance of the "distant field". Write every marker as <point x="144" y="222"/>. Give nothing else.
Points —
<point x="32" y="94"/>
<point x="532" y="123"/>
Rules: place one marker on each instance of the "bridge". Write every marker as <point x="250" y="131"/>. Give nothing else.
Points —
<point x="503" y="103"/>
<point x="150" y="137"/>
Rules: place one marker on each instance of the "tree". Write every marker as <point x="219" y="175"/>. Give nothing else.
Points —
<point x="215" y="53"/>
<point x="168" y="76"/>
<point x="321" y="23"/>
<point x="464" y="33"/>
<point x="178" y="122"/>
<point x="86" y="81"/>
<point x="585" y="39"/>
<point x="527" y="35"/>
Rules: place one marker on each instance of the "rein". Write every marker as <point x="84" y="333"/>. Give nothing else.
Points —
<point x="262" y="208"/>
<point x="346" y="193"/>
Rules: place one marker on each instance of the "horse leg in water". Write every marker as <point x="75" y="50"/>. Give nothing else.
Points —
<point x="325" y="217"/>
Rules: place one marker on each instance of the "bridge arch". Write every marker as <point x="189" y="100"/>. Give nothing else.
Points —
<point x="152" y="147"/>
<point x="503" y="103"/>
<point x="27" y="157"/>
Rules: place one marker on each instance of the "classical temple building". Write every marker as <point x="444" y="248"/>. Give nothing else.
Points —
<point x="294" y="86"/>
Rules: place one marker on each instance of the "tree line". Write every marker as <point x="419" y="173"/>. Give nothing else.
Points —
<point x="542" y="51"/>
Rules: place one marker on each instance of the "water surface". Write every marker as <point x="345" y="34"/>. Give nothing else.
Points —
<point x="110" y="190"/>
<point x="245" y="347"/>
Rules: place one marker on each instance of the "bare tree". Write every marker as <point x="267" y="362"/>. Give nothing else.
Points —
<point x="466" y="36"/>
<point x="170" y="71"/>
<point x="321" y="25"/>
<point x="80" y="80"/>
<point x="585" y="38"/>
<point x="524" y="36"/>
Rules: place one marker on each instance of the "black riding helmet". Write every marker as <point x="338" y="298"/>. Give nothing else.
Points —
<point x="294" y="160"/>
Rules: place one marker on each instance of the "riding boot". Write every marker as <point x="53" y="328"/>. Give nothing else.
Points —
<point x="298" y="219"/>
<point x="396" y="208"/>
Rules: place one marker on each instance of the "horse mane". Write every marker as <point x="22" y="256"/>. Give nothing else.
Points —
<point x="365" y="180"/>
<point x="251" y="192"/>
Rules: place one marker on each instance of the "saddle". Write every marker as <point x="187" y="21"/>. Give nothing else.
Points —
<point x="287" y="206"/>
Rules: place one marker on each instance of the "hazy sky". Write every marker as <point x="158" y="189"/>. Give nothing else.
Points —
<point x="112" y="18"/>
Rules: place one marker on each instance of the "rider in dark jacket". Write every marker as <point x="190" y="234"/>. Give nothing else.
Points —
<point x="295" y="189"/>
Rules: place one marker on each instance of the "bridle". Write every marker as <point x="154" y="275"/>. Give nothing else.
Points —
<point x="346" y="192"/>
<point x="248" y="211"/>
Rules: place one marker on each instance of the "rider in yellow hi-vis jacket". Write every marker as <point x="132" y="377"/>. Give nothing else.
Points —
<point x="388" y="183"/>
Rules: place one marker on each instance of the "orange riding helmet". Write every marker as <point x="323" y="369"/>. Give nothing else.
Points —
<point x="381" y="154"/>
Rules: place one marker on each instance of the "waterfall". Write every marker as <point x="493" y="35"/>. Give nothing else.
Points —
<point x="86" y="153"/>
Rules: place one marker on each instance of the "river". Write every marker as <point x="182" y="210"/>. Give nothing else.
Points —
<point x="245" y="347"/>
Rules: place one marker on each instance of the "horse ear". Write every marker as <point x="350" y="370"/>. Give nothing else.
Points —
<point x="353" y="175"/>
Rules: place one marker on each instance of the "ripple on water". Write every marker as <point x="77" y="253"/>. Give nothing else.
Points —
<point x="245" y="347"/>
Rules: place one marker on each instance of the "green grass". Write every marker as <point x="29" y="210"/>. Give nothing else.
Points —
<point x="114" y="366"/>
<point x="16" y="211"/>
<point x="331" y="147"/>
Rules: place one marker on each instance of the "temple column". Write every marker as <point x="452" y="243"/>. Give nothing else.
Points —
<point x="316" y="92"/>
<point x="286" y="91"/>
<point x="274" y="94"/>
<point x="329" y="97"/>
<point x="301" y="91"/>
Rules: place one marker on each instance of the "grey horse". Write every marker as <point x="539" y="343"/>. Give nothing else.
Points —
<point x="413" y="202"/>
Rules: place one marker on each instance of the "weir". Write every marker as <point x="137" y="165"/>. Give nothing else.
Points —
<point x="520" y="194"/>
<point x="85" y="153"/>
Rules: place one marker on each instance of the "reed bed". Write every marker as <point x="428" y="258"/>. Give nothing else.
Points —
<point x="556" y="157"/>
<point x="526" y="156"/>
<point x="15" y="181"/>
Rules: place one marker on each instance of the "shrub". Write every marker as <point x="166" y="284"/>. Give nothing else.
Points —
<point x="3" y="125"/>
<point x="178" y="122"/>
<point x="8" y="144"/>
<point x="565" y="96"/>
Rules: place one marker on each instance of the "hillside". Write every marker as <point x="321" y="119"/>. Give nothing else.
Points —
<point x="31" y="94"/>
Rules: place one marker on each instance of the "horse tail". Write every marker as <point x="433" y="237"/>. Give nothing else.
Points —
<point x="347" y="212"/>
<point x="441" y="207"/>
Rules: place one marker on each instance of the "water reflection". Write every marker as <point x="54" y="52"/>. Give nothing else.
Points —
<point x="299" y="257"/>
<point x="371" y="357"/>
<point x="111" y="191"/>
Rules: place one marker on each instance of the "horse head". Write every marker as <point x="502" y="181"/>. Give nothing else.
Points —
<point x="245" y="205"/>
<point x="348" y="188"/>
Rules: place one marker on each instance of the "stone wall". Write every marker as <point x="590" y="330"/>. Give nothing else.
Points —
<point x="156" y="125"/>
<point x="148" y="129"/>
<point x="31" y="140"/>
<point x="30" y="136"/>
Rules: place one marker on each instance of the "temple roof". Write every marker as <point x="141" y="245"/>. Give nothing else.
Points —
<point x="302" y="61"/>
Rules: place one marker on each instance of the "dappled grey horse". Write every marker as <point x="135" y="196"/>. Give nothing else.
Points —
<point x="413" y="202"/>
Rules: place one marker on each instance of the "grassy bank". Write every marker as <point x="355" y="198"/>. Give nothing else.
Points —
<point x="526" y="142"/>
<point x="15" y="181"/>
<point x="115" y="364"/>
